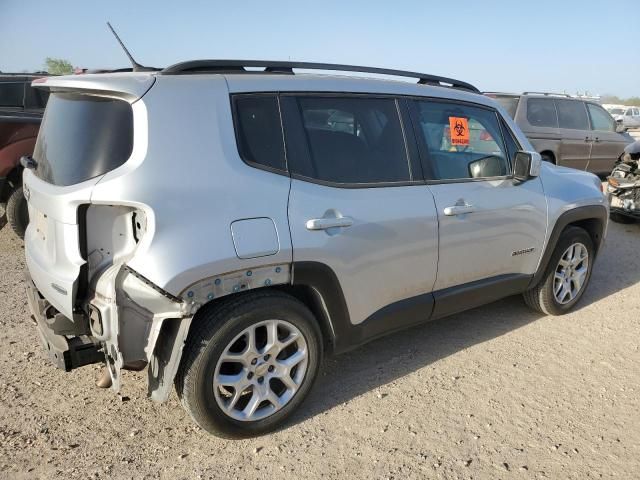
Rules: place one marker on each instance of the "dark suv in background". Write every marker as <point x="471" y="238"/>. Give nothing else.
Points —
<point x="21" y="109"/>
<point x="565" y="130"/>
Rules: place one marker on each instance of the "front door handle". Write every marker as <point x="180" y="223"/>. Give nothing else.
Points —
<point x="597" y="140"/>
<point x="327" y="223"/>
<point x="588" y="139"/>
<point x="459" y="209"/>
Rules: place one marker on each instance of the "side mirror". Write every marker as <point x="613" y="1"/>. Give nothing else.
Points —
<point x="620" y="128"/>
<point x="526" y="165"/>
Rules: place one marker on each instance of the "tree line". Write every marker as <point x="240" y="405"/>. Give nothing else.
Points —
<point x="633" y="101"/>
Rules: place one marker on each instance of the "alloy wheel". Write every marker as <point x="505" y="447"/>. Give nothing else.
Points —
<point x="260" y="370"/>
<point x="571" y="273"/>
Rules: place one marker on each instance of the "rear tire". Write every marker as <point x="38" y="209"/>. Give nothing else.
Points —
<point x="212" y="355"/>
<point x="619" y="218"/>
<point x="18" y="212"/>
<point x="547" y="296"/>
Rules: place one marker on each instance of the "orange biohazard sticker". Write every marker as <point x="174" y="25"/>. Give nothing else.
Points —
<point x="459" y="128"/>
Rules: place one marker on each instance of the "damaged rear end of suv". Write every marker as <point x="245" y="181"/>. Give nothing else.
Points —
<point x="137" y="230"/>
<point x="89" y="221"/>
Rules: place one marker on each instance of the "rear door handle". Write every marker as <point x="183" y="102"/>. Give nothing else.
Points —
<point x="326" y="223"/>
<point x="459" y="209"/>
<point x="597" y="140"/>
<point x="588" y="139"/>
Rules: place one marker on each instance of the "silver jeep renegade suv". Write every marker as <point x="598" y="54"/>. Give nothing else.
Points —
<point x="224" y="227"/>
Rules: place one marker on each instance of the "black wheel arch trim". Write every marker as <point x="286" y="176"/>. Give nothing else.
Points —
<point x="344" y="334"/>
<point x="336" y="322"/>
<point x="592" y="218"/>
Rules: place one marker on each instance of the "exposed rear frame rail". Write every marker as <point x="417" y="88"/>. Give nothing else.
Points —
<point x="281" y="67"/>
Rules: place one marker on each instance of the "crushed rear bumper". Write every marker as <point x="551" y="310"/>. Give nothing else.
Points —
<point x="65" y="351"/>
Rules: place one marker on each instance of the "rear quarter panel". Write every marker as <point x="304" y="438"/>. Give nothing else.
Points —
<point x="187" y="175"/>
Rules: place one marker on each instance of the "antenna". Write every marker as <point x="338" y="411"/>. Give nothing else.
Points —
<point x="135" y="66"/>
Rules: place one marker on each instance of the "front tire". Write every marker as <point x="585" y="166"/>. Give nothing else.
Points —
<point x="248" y="363"/>
<point x="567" y="274"/>
<point x="18" y="212"/>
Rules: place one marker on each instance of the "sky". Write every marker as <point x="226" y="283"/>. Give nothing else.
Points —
<point x="497" y="45"/>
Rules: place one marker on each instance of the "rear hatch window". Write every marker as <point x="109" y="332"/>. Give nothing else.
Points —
<point x="508" y="102"/>
<point x="82" y="137"/>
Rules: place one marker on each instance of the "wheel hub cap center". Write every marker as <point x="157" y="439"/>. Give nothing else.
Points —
<point x="262" y="369"/>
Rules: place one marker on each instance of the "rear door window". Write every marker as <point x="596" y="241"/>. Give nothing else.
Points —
<point x="259" y="131"/>
<point x="600" y="119"/>
<point x="352" y="140"/>
<point x="82" y="137"/>
<point x="572" y="114"/>
<point x="541" y="112"/>
<point x="462" y="141"/>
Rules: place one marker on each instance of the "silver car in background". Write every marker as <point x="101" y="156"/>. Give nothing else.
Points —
<point x="628" y="117"/>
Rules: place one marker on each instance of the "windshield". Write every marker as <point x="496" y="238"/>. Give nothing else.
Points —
<point x="509" y="103"/>
<point x="82" y="137"/>
<point x="616" y="111"/>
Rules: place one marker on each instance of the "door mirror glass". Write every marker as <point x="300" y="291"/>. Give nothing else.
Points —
<point x="526" y="165"/>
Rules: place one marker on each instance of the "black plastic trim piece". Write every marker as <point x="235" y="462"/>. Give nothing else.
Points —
<point x="326" y="183"/>
<point x="417" y="171"/>
<point x="589" y="212"/>
<point x="391" y="318"/>
<point x="280" y="67"/>
<point x="82" y="282"/>
<point x="323" y="279"/>
<point x="401" y="314"/>
<point x="473" y="294"/>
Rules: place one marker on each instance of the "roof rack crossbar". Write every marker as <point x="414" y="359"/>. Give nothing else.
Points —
<point x="549" y="94"/>
<point x="231" y="66"/>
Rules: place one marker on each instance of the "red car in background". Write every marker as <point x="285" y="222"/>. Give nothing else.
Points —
<point x="21" y="110"/>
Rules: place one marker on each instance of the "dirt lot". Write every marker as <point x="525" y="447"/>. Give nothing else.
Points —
<point x="497" y="392"/>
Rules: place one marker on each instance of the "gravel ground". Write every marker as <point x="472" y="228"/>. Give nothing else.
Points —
<point x="497" y="392"/>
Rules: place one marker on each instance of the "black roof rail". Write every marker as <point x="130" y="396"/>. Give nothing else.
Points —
<point x="502" y="93"/>
<point x="239" y="66"/>
<point x="548" y="94"/>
